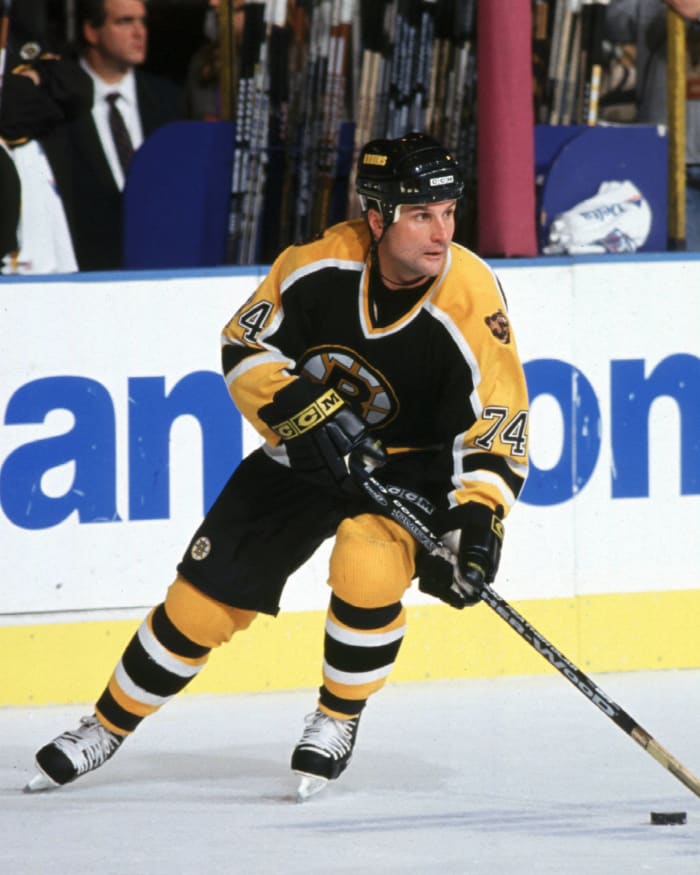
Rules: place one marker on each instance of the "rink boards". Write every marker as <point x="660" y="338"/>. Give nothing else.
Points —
<point x="117" y="432"/>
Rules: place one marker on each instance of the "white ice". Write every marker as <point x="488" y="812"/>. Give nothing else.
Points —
<point x="482" y="777"/>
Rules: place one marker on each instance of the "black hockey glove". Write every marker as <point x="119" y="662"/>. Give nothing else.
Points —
<point x="475" y="536"/>
<point x="320" y="432"/>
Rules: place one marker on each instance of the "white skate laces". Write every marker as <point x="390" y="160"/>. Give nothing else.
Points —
<point x="74" y="753"/>
<point x="323" y="752"/>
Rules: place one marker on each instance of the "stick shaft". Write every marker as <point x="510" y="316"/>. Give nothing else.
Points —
<point x="402" y="514"/>
<point x="5" y="8"/>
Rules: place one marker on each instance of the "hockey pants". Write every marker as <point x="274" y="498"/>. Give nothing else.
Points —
<point x="371" y="566"/>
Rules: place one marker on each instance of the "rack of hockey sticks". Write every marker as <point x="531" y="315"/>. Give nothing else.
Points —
<point x="251" y="144"/>
<point x="390" y="503"/>
<point x="316" y="79"/>
<point x="568" y="60"/>
<point x="317" y="46"/>
<point x="323" y="107"/>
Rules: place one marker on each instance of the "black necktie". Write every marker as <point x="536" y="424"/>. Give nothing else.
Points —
<point x="120" y="134"/>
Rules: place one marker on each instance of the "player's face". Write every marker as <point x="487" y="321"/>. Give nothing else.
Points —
<point x="415" y="246"/>
<point x="123" y="37"/>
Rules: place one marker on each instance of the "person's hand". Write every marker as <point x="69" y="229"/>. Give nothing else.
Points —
<point x="29" y="72"/>
<point x="475" y="542"/>
<point x="320" y="432"/>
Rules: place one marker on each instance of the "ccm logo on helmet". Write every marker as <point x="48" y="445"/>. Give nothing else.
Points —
<point x="442" y="180"/>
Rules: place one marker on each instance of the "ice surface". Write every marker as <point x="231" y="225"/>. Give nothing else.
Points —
<point x="482" y="777"/>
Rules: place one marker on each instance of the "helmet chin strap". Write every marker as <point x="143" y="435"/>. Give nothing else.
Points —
<point x="374" y="253"/>
<point x="415" y="282"/>
<point x="374" y="247"/>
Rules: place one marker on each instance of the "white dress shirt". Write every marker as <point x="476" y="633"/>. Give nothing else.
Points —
<point x="128" y="107"/>
<point x="44" y="241"/>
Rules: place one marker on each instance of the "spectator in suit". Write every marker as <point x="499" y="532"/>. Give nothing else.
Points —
<point x="41" y="93"/>
<point x="128" y="105"/>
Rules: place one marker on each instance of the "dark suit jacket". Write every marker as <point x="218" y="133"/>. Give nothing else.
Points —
<point x="42" y="113"/>
<point x="95" y="207"/>
<point x="10" y="190"/>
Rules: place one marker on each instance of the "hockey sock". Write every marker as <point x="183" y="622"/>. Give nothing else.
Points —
<point x="360" y="647"/>
<point x="169" y="649"/>
<point x="158" y="662"/>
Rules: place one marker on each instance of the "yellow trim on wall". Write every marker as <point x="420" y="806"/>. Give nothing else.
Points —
<point x="71" y="662"/>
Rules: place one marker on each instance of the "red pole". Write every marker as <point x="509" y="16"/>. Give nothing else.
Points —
<point x="505" y="129"/>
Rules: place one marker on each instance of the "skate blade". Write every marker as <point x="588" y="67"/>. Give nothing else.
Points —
<point x="310" y="785"/>
<point x="39" y="783"/>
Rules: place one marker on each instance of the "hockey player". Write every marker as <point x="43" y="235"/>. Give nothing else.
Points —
<point x="381" y="339"/>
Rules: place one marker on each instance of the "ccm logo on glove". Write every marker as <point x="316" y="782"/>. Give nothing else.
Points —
<point x="310" y="417"/>
<point x="319" y="432"/>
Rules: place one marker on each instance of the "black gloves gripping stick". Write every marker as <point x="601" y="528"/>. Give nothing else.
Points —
<point x="320" y="432"/>
<point x="474" y="533"/>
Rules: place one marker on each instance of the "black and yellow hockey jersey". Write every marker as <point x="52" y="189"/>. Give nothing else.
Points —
<point x="442" y="381"/>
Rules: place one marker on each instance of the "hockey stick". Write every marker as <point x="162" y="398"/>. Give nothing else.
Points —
<point x="568" y="105"/>
<point x="596" y="61"/>
<point x="240" y="173"/>
<point x="5" y="9"/>
<point x="278" y="132"/>
<point x="371" y="39"/>
<point x="332" y="110"/>
<point x="676" y="103"/>
<point x="257" y="135"/>
<point x="315" y="83"/>
<point x="390" y="500"/>
<point x="422" y="77"/>
<point x="296" y="66"/>
<point x="561" y="63"/>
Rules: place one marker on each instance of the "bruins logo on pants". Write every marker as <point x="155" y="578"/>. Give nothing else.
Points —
<point x="201" y="548"/>
<point x="365" y="388"/>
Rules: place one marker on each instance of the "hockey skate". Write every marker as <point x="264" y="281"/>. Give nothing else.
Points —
<point x="323" y="752"/>
<point x="73" y="754"/>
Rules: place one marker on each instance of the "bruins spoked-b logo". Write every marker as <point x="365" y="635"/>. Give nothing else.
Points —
<point x="363" y="387"/>
<point x="499" y="325"/>
<point x="201" y="548"/>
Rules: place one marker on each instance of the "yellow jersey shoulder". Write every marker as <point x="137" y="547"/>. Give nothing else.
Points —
<point x="469" y="283"/>
<point x="345" y="242"/>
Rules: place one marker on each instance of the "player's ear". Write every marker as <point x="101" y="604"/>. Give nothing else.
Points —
<point x="376" y="223"/>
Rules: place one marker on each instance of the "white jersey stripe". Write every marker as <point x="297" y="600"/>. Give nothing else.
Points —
<point x="254" y="361"/>
<point x="314" y="266"/>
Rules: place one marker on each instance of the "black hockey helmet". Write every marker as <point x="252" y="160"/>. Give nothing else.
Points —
<point x="414" y="169"/>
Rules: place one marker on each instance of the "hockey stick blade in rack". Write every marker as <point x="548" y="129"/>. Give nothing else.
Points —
<point x="393" y="505"/>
